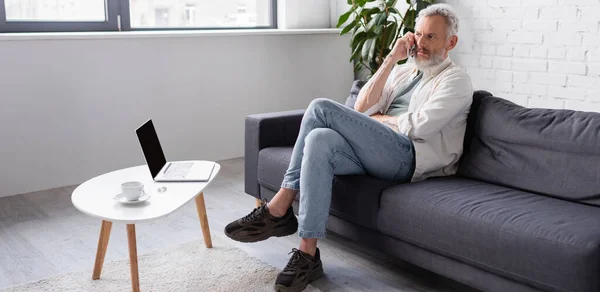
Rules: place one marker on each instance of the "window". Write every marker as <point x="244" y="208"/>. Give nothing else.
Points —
<point x="190" y="15"/>
<point x="112" y="15"/>
<point x="44" y="10"/>
<point x="58" y="15"/>
<point x="161" y="17"/>
<point x="202" y="14"/>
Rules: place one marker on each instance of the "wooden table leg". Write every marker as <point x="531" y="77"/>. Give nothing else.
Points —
<point x="258" y="202"/>
<point x="101" y="251"/>
<point x="203" y="220"/>
<point x="133" y="258"/>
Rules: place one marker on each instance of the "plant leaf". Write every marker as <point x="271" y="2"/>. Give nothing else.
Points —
<point x="378" y="30"/>
<point x="368" y="46"/>
<point x="394" y="10"/>
<point x="344" y="17"/>
<point x="370" y="24"/>
<point x="392" y="32"/>
<point x="381" y="18"/>
<point x="391" y="3"/>
<point x="409" y="19"/>
<point x="356" y="52"/>
<point x="348" y="27"/>
<point x="359" y="29"/>
<point x="357" y="67"/>
<point x="373" y="65"/>
<point x="361" y="36"/>
<point x="372" y="56"/>
<point x="370" y="11"/>
<point x="421" y="4"/>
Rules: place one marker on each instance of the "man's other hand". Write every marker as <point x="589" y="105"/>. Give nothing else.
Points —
<point x="389" y="121"/>
<point x="402" y="46"/>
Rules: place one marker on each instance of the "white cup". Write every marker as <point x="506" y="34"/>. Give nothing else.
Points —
<point x="132" y="190"/>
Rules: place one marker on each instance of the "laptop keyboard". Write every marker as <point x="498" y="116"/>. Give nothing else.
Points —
<point x="178" y="170"/>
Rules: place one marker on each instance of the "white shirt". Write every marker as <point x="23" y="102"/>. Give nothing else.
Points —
<point x="437" y="115"/>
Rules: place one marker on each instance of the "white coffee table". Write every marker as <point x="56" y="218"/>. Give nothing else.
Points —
<point x="95" y="198"/>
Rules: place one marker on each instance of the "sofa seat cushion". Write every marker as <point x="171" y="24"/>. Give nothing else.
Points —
<point x="548" y="243"/>
<point x="273" y="162"/>
<point x="355" y="197"/>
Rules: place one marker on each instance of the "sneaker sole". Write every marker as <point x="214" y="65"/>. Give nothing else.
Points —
<point x="263" y="236"/>
<point x="314" y="275"/>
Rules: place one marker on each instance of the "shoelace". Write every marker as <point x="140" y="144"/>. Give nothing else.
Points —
<point x="256" y="214"/>
<point x="294" y="262"/>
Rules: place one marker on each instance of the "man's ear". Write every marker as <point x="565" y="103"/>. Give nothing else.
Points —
<point x="452" y="42"/>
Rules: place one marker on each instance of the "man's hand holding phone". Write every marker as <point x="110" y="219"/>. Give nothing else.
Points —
<point x="372" y="91"/>
<point x="403" y="47"/>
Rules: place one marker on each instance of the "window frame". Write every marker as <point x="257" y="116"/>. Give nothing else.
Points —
<point x="117" y="19"/>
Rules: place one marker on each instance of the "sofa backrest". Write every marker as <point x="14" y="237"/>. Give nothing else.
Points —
<point x="545" y="151"/>
<point x="354" y="90"/>
<point x="478" y="96"/>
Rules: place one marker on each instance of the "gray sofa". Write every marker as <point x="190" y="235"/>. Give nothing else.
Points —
<point x="521" y="214"/>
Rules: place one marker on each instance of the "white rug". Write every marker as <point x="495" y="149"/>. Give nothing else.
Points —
<point x="188" y="267"/>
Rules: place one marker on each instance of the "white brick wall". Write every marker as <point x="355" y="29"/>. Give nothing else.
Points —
<point x="537" y="53"/>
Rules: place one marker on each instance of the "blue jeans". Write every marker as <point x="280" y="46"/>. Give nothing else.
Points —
<point x="337" y="140"/>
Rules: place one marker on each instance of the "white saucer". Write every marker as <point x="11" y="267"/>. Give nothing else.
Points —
<point x="121" y="199"/>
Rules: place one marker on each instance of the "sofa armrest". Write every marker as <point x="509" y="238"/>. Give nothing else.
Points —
<point x="267" y="130"/>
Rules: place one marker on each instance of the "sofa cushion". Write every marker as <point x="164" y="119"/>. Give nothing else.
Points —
<point x="355" y="197"/>
<point x="478" y="96"/>
<point x="551" y="152"/>
<point x="273" y="162"/>
<point x="354" y="91"/>
<point x="548" y="243"/>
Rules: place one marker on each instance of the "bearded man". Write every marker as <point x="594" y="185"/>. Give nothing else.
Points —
<point x="407" y="125"/>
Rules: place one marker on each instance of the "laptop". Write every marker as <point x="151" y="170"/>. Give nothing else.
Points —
<point x="164" y="171"/>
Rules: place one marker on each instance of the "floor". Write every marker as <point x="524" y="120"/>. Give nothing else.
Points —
<point x="43" y="235"/>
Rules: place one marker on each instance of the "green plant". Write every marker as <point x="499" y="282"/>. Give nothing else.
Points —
<point x="375" y="29"/>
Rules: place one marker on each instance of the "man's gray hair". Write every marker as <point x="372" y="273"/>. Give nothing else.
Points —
<point x="447" y="12"/>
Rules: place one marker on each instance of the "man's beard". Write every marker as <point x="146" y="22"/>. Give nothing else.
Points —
<point x="434" y="59"/>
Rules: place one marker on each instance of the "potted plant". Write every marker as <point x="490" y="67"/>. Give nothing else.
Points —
<point x="375" y="29"/>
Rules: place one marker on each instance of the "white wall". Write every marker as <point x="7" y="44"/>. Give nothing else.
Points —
<point x="537" y="53"/>
<point x="70" y="106"/>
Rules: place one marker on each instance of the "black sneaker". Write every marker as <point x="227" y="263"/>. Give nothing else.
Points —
<point x="260" y="225"/>
<point x="299" y="271"/>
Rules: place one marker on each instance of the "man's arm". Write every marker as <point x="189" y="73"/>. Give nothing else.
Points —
<point x="371" y="92"/>
<point x="449" y="100"/>
<point x="373" y="89"/>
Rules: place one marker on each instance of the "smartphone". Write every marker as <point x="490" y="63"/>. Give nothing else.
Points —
<point x="413" y="51"/>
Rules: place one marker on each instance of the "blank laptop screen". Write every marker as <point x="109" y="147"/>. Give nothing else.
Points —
<point x="151" y="147"/>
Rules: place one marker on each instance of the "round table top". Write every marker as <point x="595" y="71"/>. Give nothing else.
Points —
<point x="95" y="196"/>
